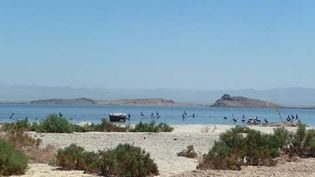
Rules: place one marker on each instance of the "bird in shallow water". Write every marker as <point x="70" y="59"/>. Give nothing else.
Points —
<point x="11" y="116"/>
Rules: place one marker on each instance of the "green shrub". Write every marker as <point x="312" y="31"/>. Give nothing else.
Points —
<point x="189" y="152"/>
<point x="12" y="162"/>
<point x="74" y="157"/>
<point x="241" y="146"/>
<point x="303" y="143"/>
<point x="124" y="160"/>
<point x="282" y="137"/>
<point x="151" y="127"/>
<point x="53" y="123"/>
<point x="127" y="160"/>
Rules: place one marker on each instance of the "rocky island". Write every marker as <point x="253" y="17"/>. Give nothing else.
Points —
<point x="239" y="101"/>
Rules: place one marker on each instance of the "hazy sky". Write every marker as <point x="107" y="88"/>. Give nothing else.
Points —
<point x="213" y="44"/>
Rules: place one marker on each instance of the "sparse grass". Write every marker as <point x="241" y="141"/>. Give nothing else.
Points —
<point x="152" y="127"/>
<point x="124" y="160"/>
<point x="189" y="152"/>
<point x="12" y="161"/>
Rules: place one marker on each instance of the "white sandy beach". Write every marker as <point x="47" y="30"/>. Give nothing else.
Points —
<point x="163" y="148"/>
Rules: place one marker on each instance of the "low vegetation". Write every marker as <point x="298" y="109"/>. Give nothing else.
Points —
<point x="74" y="157"/>
<point x="54" y="123"/>
<point x="189" y="152"/>
<point x="104" y="126"/>
<point x="17" y="137"/>
<point x="124" y="160"/>
<point x="22" y="125"/>
<point x="151" y="127"/>
<point x="241" y="146"/>
<point x="12" y="161"/>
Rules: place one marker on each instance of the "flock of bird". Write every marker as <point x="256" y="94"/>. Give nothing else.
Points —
<point x="255" y="120"/>
<point x="156" y="115"/>
<point x="250" y="120"/>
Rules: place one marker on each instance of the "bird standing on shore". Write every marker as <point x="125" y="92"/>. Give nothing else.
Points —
<point x="266" y="121"/>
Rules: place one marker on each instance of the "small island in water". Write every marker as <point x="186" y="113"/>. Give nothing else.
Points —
<point x="239" y="101"/>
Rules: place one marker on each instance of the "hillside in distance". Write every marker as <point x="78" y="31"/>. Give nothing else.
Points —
<point x="64" y="101"/>
<point x="87" y="101"/>
<point x="239" y="101"/>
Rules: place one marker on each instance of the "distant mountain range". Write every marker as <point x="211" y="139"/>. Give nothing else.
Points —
<point x="283" y="96"/>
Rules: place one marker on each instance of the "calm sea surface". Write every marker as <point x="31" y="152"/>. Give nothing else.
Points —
<point x="170" y="115"/>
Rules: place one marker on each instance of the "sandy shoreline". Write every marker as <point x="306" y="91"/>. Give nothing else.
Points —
<point x="163" y="147"/>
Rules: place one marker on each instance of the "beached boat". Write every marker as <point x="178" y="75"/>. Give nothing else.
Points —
<point x="117" y="117"/>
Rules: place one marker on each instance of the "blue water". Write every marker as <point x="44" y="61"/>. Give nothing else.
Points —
<point x="170" y="115"/>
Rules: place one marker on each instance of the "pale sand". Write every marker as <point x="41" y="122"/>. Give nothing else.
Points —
<point x="163" y="148"/>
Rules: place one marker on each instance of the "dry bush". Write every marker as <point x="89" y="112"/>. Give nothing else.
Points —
<point x="30" y="146"/>
<point x="189" y="152"/>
